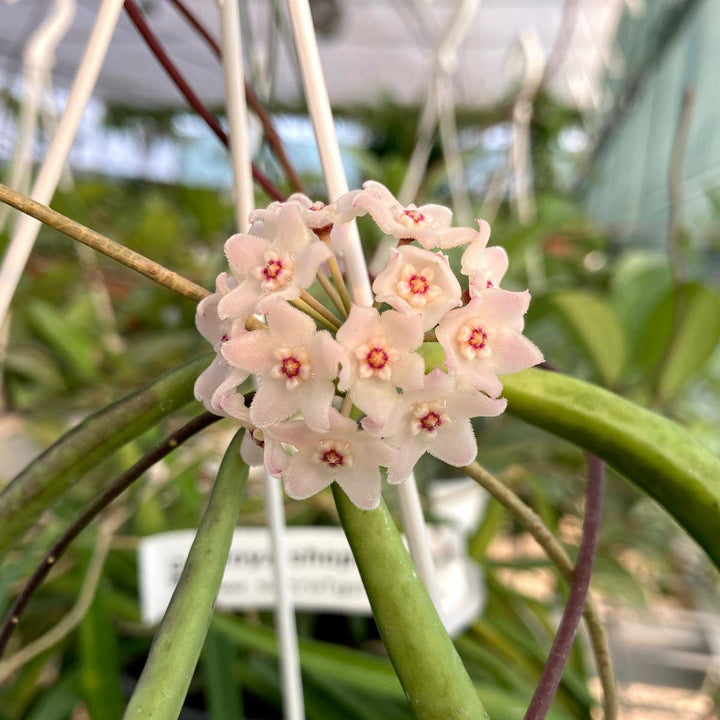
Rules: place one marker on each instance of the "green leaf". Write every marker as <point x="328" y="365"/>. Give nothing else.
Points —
<point x="656" y="454"/>
<point x="688" y="320"/>
<point x="165" y="679"/>
<point x="65" y="462"/>
<point x="57" y="703"/>
<point x="74" y="346"/>
<point x="222" y="690"/>
<point x="99" y="667"/>
<point x="594" y="324"/>
<point x="638" y="282"/>
<point x="435" y="682"/>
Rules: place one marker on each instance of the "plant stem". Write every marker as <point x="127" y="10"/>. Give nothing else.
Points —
<point x="161" y="689"/>
<point x="314" y="314"/>
<point x="560" y="650"/>
<point x="98" y="505"/>
<point x="436" y="683"/>
<point x="189" y="94"/>
<point x="331" y="292"/>
<point x="320" y="308"/>
<point x="533" y="524"/>
<point x="95" y="240"/>
<point x="336" y="273"/>
<point x="69" y="622"/>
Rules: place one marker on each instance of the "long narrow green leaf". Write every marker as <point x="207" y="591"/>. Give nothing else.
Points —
<point x="163" y="684"/>
<point x="99" y="664"/>
<point x="651" y="451"/>
<point x="222" y="690"/>
<point x="65" y="462"/>
<point x="435" y="681"/>
<point x="361" y="672"/>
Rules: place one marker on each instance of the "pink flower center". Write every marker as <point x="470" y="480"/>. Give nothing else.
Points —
<point x="290" y="367"/>
<point x="428" y="416"/>
<point x="418" y="284"/>
<point x="377" y="358"/>
<point x="478" y="338"/>
<point x="473" y="339"/>
<point x="415" y="215"/>
<point x="273" y="269"/>
<point x="293" y="366"/>
<point x="332" y="458"/>
<point x="334" y="454"/>
<point x="276" y="273"/>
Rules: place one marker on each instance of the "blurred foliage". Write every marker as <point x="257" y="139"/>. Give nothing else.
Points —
<point x="600" y="311"/>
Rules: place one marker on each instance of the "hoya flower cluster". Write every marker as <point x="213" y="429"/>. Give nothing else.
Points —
<point x="339" y="404"/>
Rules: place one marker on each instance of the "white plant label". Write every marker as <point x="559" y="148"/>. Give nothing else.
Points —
<point x="322" y="571"/>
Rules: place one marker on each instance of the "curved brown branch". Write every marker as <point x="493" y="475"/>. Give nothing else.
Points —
<point x="565" y="636"/>
<point x="189" y="94"/>
<point x="271" y="134"/>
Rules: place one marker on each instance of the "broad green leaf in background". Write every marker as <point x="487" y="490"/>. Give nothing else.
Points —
<point x="681" y="333"/>
<point x="637" y="283"/>
<point x="64" y="463"/>
<point x="163" y="684"/>
<point x="656" y="454"/>
<point x="593" y="322"/>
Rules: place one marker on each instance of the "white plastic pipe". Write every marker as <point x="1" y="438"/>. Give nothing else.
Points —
<point x="27" y="228"/>
<point x="237" y="113"/>
<point x="328" y="147"/>
<point x="38" y="60"/>
<point x="356" y="269"/>
<point x="233" y="67"/>
<point x="293" y="703"/>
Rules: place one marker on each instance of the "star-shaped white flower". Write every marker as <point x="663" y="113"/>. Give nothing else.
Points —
<point x="484" y="339"/>
<point x="218" y="383"/>
<point x="435" y="420"/>
<point x="296" y="365"/>
<point x="316" y="215"/>
<point x="343" y="454"/>
<point x="485" y="267"/>
<point x="418" y="282"/>
<point x="379" y="356"/>
<point x="281" y="261"/>
<point x="430" y="225"/>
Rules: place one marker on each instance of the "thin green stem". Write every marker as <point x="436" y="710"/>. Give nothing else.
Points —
<point x="163" y="684"/>
<point x="336" y="273"/>
<point x="332" y="293"/>
<point x="314" y="314"/>
<point x="320" y="308"/>
<point x="86" y="236"/>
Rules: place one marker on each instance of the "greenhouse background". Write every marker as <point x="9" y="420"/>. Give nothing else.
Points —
<point x="583" y="131"/>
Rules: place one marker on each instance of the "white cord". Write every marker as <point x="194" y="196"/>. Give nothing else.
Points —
<point x="27" y="228"/>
